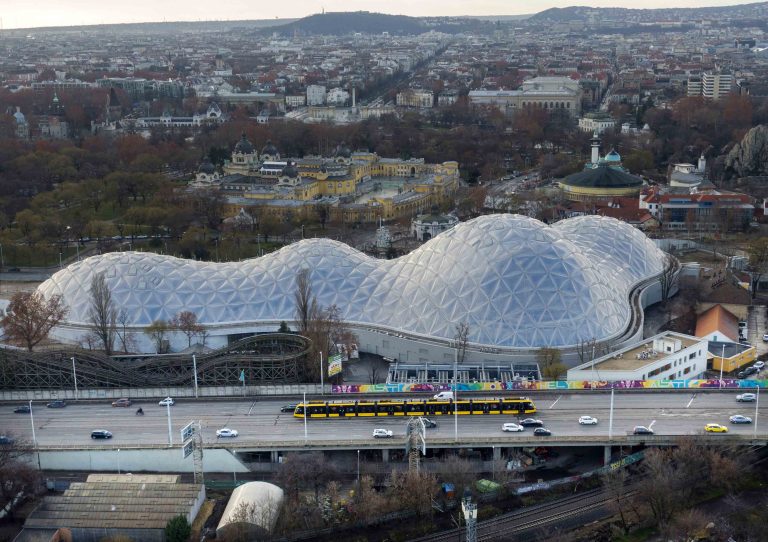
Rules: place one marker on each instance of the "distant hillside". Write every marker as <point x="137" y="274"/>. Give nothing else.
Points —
<point x="343" y="23"/>
<point x="579" y="13"/>
<point x="165" y="26"/>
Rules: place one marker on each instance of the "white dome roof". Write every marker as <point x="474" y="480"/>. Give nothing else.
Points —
<point x="515" y="280"/>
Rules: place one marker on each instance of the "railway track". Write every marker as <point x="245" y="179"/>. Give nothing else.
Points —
<point x="510" y="526"/>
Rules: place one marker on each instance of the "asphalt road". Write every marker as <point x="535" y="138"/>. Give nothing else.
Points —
<point x="678" y="413"/>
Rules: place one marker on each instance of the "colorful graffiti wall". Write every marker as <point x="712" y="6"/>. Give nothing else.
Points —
<point x="555" y="385"/>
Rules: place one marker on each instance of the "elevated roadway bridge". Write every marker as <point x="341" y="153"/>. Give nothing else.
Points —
<point x="63" y="436"/>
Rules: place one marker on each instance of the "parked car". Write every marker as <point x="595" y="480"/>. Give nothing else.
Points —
<point x="765" y="337"/>
<point x="289" y="408"/>
<point x="759" y="365"/>
<point x="24" y="409"/>
<point x="101" y="433"/>
<point x="587" y="420"/>
<point x="226" y="432"/>
<point x="56" y="404"/>
<point x="542" y="432"/>
<point x="738" y="418"/>
<point x="531" y="422"/>
<point x="750" y="371"/>
<point x="642" y="430"/>
<point x="512" y="427"/>
<point x="122" y="402"/>
<point x="715" y="428"/>
<point x="429" y="424"/>
<point x="168" y="401"/>
<point x="746" y="398"/>
<point x="6" y="440"/>
<point x="382" y="433"/>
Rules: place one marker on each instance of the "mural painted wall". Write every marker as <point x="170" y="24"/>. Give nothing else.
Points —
<point x="551" y="385"/>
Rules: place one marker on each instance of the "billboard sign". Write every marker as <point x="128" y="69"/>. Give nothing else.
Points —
<point x="187" y="448"/>
<point x="334" y="364"/>
<point x="187" y="431"/>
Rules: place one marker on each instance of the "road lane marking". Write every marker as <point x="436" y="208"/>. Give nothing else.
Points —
<point x="651" y="426"/>
<point x="556" y="400"/>
<point x="691" y="401"/>
<point x="250" y="409"/>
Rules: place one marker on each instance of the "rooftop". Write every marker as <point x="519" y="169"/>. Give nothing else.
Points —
<point x="631" y="358"/>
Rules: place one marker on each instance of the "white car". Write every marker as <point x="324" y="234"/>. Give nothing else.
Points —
<point x="166" y="402"/>
<point x="759" y="365"/>
<point x="587" y="420"/>
<point x="382" y="433"/>
<point x="512" y="427"/>
<point x="225" y="433"/>
<point x="746" y="398"/>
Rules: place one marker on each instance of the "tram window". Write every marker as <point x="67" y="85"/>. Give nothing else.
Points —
<point x="300" y="410"/>
<point x="494" y="405"/>
<point x="367" y="408"/>
<point x="413" y="406"/>
<point x="333" y="409"/>
<point x="398" y="408"/>
<point x="463" y="406"/>
<point x="319" y="409"/>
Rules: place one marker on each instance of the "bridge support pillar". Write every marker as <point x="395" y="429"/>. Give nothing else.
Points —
<point x="607" y="450"/>
<point x="496" y="453"/>
<point x="385" y="456"/>
<point x="275" y="456"/>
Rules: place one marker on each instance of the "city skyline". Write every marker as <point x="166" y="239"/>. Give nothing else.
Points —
<point x="22" y="14"/>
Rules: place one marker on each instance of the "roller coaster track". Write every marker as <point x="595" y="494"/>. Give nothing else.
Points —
<point x="265" y="358"/>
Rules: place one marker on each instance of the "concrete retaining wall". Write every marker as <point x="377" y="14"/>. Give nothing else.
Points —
<point x="158" y="393"/>
<point x="138" y="460"/>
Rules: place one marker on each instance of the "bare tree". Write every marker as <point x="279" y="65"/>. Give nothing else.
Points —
<point x="121" y="330"/>
<point x="550" y="364"/>
<point x="413" y="490"/>
<point x="186" y="322"/>
<point x="669" y="277"/>
<point x="102" y="313"/>
<point x="461" y="340"/>
<point x="157" y="331"/>
<point x="30" y="317"/>
<point x="615" y="484"/>
<point x="758" y="261"/>
<point x="17" y="475"/>
<point x="586" y="349"/>
<point x="306" y="303"/>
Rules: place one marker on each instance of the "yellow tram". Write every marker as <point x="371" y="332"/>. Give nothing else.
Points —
<point x="414" y="407"/>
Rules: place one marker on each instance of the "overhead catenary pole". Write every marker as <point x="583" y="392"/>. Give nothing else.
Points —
<point x="306" y="413"/>
<point x="722" y="363"/>
<point x="757" y="403"/>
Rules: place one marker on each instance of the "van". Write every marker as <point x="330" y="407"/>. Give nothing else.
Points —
<point x="444" y="396"/>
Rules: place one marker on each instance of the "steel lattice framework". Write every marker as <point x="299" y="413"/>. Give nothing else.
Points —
<point x="265" y="358"/>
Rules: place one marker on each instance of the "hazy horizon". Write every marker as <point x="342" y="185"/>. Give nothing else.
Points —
<point x="43" y="13"/>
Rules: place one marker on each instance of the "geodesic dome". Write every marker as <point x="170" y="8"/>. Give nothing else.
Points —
<point x="516" y="281"/>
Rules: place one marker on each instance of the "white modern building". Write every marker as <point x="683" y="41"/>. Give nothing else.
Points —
<point x="666" y="356"/>
<point x="551" y="93"/>
<point x="596" y="123"/>
<point x="518" y="283"/>
<point x="716" y="86"/>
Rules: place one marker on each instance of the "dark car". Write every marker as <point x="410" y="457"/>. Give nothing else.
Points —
<point x="750" y="371"/>
<point x="122" y="402"/>
<point x="429" y="424"/>
<point x="531" y="422"/>
<point x="542" y="432"/>
<point x="101" y="433"/>
<point x="22" y="409"/>
<point x="6" y="441"/>
<point x="288" y="408"/>
<point x="642" y="430"/>
<point x="56" y="404"/>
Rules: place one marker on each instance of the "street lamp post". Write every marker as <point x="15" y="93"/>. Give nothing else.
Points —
<point x="32" y="419"/>
<point x="722" y="362"/>
<point x="306" y="415"/>
<point x="194" y="369"/>
<point x="610" y="419"/>
<point x="170" y="435"/>
<point x="358" y="468"/>
<point x="74" y="375"/>
<point x="322" y="387"/>
<point x="118" y="461"/>
<point x="456" y="394"/>
<point x="757" y="403"/>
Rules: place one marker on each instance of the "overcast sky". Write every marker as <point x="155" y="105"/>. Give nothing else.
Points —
<point x="32" y="13"/>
